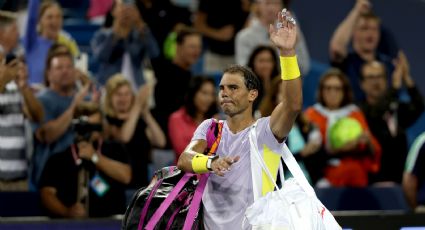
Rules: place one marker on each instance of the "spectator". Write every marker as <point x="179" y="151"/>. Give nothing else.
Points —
<point x="18" y="104"/>
<point x="128" y="120"/>
<point x="363" y="28"/>
<point x="414" y="174"/>
<point x="163" y="17"/>
<point x="87" y="179"/>
<point x="42" y="31"/>
<point x="9" y="35"/>
<point x="173" y="77"/>
<point x="59" y="100"/>
<point x="349" y="164"/>
<point x="263" y="62"/>
<point x="122" y="48"/>
<point x="219" y="21"/>
<point x="388" y="117"/>
<point x="256" y="34"/>
<point x="199" y="104"/>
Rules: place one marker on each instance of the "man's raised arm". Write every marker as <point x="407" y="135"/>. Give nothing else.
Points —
<point x="284" y="36"/>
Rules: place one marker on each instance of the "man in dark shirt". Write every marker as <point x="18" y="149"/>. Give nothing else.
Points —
<point x="388" y="117"/>
<point x="173" y="76"/>
<point x="89" y="166"/>
<point x="219" y="21"/>
<point x="362" y="27"/>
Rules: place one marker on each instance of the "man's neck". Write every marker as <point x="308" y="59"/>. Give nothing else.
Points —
<point x="367" y="55"/>
<point x="372" y="100"/>
<point x="178" y="62"/>
<point x="63" y="91"/>
<point x="239" y="122"/>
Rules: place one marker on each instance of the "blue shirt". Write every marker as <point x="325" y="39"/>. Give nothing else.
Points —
<point x="54" y="106"/>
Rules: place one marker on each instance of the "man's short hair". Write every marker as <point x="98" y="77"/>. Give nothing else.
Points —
<point x="251" y="80"/>
<point x="184" y="32"/>
<point x="373" y="63"/>
<point x="6" y="18"/>
<point x="369" y="15"/>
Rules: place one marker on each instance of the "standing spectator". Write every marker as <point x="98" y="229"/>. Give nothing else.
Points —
<point x="9" y="35"/>
<point x="219" y="21"/>
<point x="257" y="34"/>
<point x="349" y="164"/>
<point x="17" y="104"/>
<point x="414" y="174"/>
<point x="173" y="77"/>
<point x="388" y="117"/>
<point x="87" y="179"/>
<point x="199" y="105"/>
<point x="59" y="100"/>
<point x="44" y="27"/>
<point x="361" y="26"/>
<point x="122" y="48"/>
<point x="163" y="17"/>
<point x="129" y="120"/>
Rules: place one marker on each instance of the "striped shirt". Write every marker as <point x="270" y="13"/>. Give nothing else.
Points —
<point x="13" y="159"/>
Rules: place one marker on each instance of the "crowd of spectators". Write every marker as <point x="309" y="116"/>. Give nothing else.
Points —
<point x="45" y="100"/>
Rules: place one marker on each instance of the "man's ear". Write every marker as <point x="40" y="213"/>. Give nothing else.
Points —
<point x="253" y="94"/>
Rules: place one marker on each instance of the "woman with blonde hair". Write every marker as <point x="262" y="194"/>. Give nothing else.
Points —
<point x="129" y="120"/>
<point x="44" y="28"/>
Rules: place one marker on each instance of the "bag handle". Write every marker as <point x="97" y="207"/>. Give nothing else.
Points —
<point x="256" y="153"/>
<point x="167" y="202"/>
<point x="148" y="201"/>
<point x="289" y="160"/>
<point x="196" y="202"/>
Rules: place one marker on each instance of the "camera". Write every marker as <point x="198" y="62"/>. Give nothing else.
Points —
<point x="84" y="129"/>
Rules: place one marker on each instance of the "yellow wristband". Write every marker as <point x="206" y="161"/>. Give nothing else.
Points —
<point x="199" y="163"/>
<point x="289" y="68"/>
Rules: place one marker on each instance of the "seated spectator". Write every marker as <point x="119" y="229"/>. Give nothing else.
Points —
<point x="199" y="104"/>
<point x="54" y="134"/>
<point x="304" y="139"/>
<point x="414" y="174"/>
<point x="18" y="105"/>
<point x="362" y="27"/>
<point x="129" y="120"/>
<point x="122" y="48"/>
<point x="44" y="27"/>
<point x="349" y="162"/>
<point x="87" y="179"/>
<point x="173" y="76"/>
<point x="388" y="117"/>
<point x="257" y="33"/>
